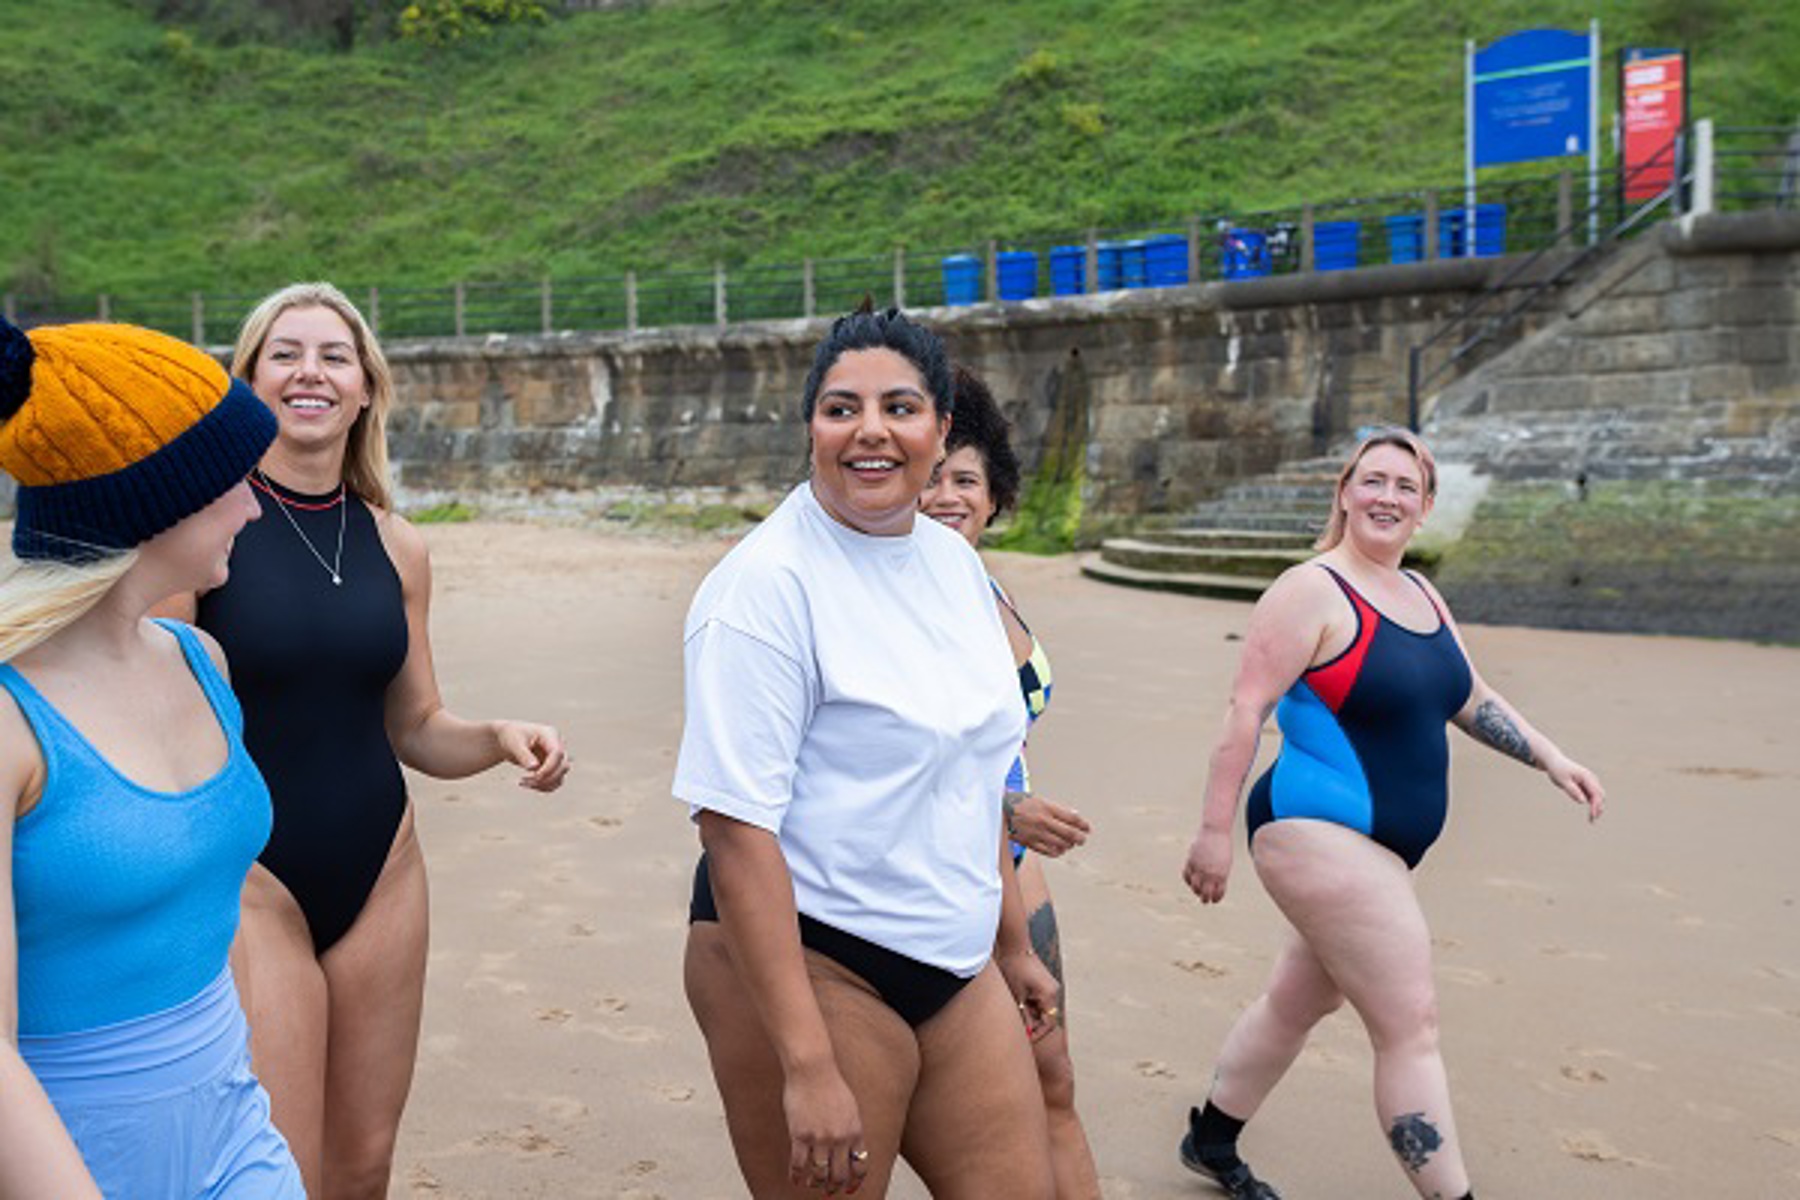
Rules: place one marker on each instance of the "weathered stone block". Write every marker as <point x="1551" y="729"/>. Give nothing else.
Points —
<point x="1638" y="390"/>
<point x="1630" y="314"/>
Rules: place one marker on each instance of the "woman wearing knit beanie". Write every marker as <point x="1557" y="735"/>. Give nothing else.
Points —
<point x="325" y="620"/>
<point x="135" y="809"/>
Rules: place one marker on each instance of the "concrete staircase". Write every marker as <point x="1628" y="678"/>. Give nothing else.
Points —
<point x="1230" y="548"/>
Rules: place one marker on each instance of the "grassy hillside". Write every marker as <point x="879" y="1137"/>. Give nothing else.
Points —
<point x="139" y="159"/>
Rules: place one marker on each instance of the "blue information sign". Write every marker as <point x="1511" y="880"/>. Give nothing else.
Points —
<point x="1531" y="97"/>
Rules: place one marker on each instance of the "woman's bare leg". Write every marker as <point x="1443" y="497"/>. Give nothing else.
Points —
<point x="874" y="1048"/>
<point x="1353" y="901"/>
<point x="976" y="1128"/>
<point x="375" y="975"/>
<point x="1071" y="1158"/>
<point x="282" y="988"/>
<point x="1270" y="1034"/>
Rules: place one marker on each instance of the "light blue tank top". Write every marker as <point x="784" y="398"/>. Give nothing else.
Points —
<point x="125" y="898"/>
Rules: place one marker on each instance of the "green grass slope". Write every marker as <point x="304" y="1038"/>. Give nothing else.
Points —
<point x="139" y="159"/>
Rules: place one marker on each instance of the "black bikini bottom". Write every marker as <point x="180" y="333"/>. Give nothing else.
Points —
<point x="914" y="990"/>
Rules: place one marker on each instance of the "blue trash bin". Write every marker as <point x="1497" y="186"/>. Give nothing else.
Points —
<point x="1109" y="266"/>
<point x="962" y="279"/>
<point x="1336" y="245"/>
<point x="1131" y="264"/>
<point x="1068" y="270"/>
<point x="1406" y="237"/>
<point x="1490" y="231"/>
<point x="1017" y="270"/>
<point x="1246" y="253"/>
<point x="1166" y="261"/>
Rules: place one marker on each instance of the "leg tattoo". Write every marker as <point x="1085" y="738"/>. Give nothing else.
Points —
<point x="1048" y="947"/>
<point x="1413" y="1139"/>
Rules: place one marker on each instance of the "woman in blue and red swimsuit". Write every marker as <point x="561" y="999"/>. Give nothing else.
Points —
<point x="1364" y="668"/>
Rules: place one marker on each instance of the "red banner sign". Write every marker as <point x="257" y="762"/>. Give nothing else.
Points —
<point x="1651" y="119"/>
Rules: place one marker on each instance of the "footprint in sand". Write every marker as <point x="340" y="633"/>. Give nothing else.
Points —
<point x="1584" y="1074"/>
<point x="494" y="835"/>
<point x="1198" y="967"/>
<point x="1446" y="943"/>
<point x="1783" y="973"/>
<point x="1469" y="976"/>
<point x="553" y="1016"/>
<point x="1661" y="892"/>
<point x="1593" y="1146"/>
<point x="605" y="822"/>
<point x="527" y="1139"/>
<point x="582" y="929"/>
<point x="1565" y="952"/>
<point x="632" y="1034"/>
<point x="645" y="1166"/>
<point x="421" y="1182"/>
<point x="1149" y="1068"/>
<point x="1787" y="1137"/>
<point x="611" y="1004"/>
<point x="675" y="1093"/>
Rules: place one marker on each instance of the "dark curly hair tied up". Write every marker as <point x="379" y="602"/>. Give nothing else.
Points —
<point x="977" y="421"/>
<point x="888" y="330"/>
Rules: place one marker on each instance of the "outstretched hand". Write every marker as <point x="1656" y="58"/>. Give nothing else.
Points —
<point x="538" y="750"/>
<point x="1579" y="784"/>
<point x="1044" y="827"/>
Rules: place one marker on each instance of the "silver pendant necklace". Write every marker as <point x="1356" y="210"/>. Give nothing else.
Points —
<point x="334" y="567"/>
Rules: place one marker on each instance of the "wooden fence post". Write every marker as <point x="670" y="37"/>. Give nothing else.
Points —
<point x="993" y="271"/>
<point x="720" y="314"/>
<point x="900" y="277"/>
<point x="631" y="302"/>
<point x="809" y="299"/>
<point x="544" y="310"/>
<point x="1308" y="259"/>
<point x="375" y="310"/>
<point x="199" y="319"/>
<point x="459" y="299"/>
<point x="1093" y="261"/>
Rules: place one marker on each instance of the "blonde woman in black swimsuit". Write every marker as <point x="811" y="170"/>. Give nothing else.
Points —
<point x="325" y="622"/>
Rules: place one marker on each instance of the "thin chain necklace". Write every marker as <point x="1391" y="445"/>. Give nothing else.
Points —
<point x="334" y="567"/>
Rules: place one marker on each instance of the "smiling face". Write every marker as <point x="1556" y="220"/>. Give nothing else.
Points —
<point x="959" y="495"/>
<point x="876" y="434"/>
<point x="1384" y="501"/>
<point x="308" y="372"/>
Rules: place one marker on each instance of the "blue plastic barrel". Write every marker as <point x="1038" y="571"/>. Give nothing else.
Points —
<point x="1406" y="237"/>
<point x="1068" y="268"/>
<point x="1017" y="270"/>
<point x="1166" y="261"/>
<point x="1336" y="245"/>
<point x="1131" y="264"/>
<point x="962" y="279"/>
<point x="1109" y="267"/>
<point x="1246" y="253"/>
<point x="1490" y="231"/>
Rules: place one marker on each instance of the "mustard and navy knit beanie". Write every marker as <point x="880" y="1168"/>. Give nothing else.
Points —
<point x="115" y="433"/>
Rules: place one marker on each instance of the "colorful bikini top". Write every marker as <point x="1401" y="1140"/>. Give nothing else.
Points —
<point x="1034" y="673"/>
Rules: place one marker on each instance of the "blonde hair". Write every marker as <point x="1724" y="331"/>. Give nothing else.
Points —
<point x="39" y="598"/>
<point x="1386" y="435"/>
<point x="365" y="458"/>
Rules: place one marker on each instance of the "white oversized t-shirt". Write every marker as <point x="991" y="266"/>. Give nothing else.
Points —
<point x="856" y="696"/>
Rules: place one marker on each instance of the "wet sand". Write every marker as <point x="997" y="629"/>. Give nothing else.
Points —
<point x="1621" y="1003"/>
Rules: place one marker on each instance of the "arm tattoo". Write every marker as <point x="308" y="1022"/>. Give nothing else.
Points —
<point x="1009" y="804"/>
<point x="1492" y="727"/>
<point x="1413" y="1138"/>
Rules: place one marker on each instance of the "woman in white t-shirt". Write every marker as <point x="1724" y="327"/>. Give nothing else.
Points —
<point x="852" y="710"/>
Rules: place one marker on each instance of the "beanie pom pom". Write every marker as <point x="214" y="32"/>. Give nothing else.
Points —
<point x="16" y="355"/>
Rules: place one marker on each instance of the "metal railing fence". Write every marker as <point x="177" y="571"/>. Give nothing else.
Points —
<point x="1755" y="167"/>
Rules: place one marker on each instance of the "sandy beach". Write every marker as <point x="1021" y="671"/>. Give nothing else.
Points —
<point x="1621" y="1003"/>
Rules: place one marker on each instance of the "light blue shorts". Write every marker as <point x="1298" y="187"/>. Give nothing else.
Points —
<point x="165" y="1105"/>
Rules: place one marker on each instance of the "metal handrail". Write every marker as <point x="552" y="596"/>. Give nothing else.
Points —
<point x="1417" y="379"/>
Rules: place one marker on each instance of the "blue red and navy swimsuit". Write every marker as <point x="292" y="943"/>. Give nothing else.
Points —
<point x="1363" y="736"/>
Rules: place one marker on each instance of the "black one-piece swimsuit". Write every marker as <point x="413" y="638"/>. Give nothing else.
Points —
<point x="311" y="662"/>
